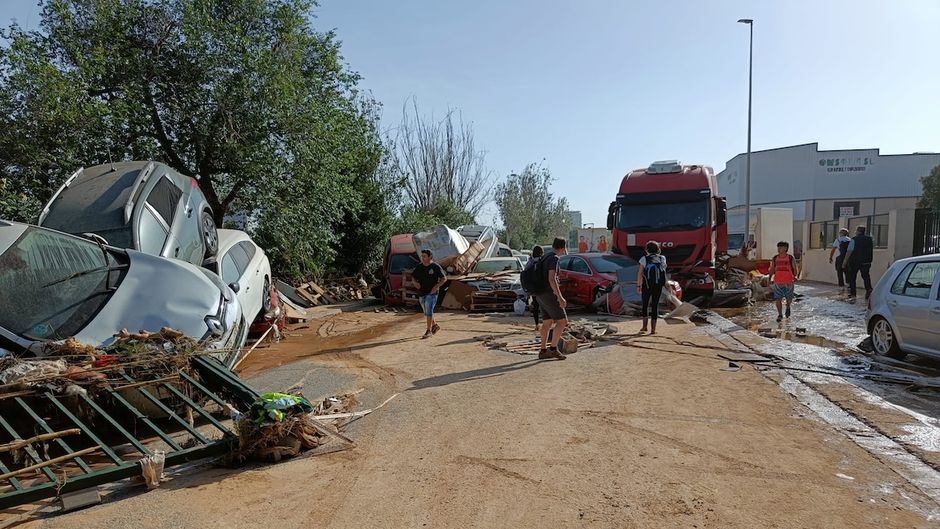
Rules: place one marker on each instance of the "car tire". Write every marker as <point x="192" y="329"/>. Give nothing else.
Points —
<point x="884" y="340"/>
<point x="210" y="234"/>
<point x="266" y="297"/>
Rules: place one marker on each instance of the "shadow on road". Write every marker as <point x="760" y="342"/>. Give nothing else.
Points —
<point x="473" y="374"/>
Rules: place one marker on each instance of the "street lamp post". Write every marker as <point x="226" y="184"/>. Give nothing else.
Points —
<point x="747" y="178"/>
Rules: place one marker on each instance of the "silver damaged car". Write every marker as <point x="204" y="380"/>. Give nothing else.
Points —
<point x="904" y="308"/>
<point x="145" y="206"/>
<point x="54" y="286"/>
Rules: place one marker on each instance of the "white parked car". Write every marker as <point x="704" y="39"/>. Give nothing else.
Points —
<point x="904" y="308"/>
<point x="245" y="268"/>
<point x="57" y="286"/>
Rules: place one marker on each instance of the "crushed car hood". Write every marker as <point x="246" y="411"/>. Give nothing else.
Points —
<point x="156" y="293"/>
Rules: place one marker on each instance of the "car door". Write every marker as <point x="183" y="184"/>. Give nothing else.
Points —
<point x="913" y="303"/>
<point x="931" y="323"/>
<point x="582" y="284"/>
<point x="564" y="277"/>
<point x="164" y="200"/>
<point x="251" y="279"/>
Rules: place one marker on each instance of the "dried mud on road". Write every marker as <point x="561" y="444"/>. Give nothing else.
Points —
<point x="647" y="433"/>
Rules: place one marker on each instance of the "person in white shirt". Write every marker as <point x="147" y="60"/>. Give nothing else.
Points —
<point x="841" y="245"/>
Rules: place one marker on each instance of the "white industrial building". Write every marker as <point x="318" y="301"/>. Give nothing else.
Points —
<point x="826" y="185"/>
<point x="827" y="190"/>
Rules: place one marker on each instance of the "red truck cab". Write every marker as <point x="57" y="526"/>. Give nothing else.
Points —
<point x="677" y="206"/>
<point x="400" y="255"/>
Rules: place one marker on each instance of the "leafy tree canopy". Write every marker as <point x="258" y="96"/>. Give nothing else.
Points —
<point x="243" y="93"/>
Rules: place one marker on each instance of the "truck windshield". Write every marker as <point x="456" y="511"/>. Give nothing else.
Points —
<point x="53" y="284"/>
<point x="663" y="217"/>
<point x="401" y="262"/>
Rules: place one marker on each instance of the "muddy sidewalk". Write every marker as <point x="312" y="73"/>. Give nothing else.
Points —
<point x="644" y="431"/>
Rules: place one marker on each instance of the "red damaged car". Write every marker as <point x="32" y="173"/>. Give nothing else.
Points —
<point x="586" y="277"/>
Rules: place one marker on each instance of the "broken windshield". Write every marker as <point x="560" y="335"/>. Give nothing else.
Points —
<point x="37" y="303"/>
<point x="663" y="217"/>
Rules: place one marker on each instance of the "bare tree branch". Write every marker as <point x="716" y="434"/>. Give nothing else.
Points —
<point x="440" y="162"/>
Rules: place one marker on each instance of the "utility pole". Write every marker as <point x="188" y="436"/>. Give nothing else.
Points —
<point x="747" y="178"/>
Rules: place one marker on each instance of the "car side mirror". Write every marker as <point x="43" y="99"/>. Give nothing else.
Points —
<point x="234" y="287"/>
<point x="611" y="213"/>
<point x="721" y="210"/>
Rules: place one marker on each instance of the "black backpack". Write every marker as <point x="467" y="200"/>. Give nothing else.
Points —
<point x="843" y="248"/>
<point x="533" y="278"/>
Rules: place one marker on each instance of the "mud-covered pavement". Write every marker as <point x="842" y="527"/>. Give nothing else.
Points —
<point x="642" y="431"/>
<point x="819" y="343"/>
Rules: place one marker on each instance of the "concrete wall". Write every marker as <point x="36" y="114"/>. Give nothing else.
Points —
<point x="816" y="265"/>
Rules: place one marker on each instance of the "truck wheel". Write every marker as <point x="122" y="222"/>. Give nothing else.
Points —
<point x="884" y="340"/>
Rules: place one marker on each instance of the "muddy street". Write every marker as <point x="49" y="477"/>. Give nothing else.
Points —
<point x="636" y="431"/>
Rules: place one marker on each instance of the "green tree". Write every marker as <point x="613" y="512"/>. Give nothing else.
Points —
<point x="931" y="185"/>
<point x="530" y="213"/>
<point x="243" y="93"/>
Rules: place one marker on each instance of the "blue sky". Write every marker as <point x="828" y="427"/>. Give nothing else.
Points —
<point x="598" y="87"/>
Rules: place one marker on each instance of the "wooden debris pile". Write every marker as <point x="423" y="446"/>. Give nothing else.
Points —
<point x="578" y="334"/>
<point x="282" y="425"/>
<point x="69" y="367"/>
<point x="333" y="291"/>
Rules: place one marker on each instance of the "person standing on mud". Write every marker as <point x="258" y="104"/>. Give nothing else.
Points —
<point x="861" y="252"/>
<point x="783" y="276"/>
<point x="650" y="280"/>
<point x="537" y="253"/>
<point x="551" y="303"/>
<point x="841" y="244"/>
<point x="428" y="277"/>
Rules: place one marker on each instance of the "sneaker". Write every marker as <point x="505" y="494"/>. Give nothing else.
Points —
<point x="551" y="353"/>
<point x="427" y="334"/>
<point x="788" y="312"/>
<point x="435" y="328"/>
<point x="779" y="318"/>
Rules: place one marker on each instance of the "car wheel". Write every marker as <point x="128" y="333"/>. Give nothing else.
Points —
<point x="884" y="340"/>
<point x="266" y="296"/>
<point x="210" y="235"/>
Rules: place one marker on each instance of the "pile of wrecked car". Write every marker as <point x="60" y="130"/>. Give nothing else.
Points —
<point x="130" y="245"/>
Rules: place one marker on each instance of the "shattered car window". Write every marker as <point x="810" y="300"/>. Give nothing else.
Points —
<point x="497" y="265"/>
<point x="609" y="264"/>
<point x="46" y="295"/>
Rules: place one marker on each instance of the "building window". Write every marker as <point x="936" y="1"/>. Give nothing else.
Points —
<point x="845" y="209"/>
<point x="822" y="234"/>
<point x="876" y="226"/>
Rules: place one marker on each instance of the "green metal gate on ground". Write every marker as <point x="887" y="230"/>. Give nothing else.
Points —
<point x="114" y="433"/>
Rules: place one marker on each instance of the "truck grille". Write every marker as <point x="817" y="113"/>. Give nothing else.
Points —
<point x="674" y="256"/>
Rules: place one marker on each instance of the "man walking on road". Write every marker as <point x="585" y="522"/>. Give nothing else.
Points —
<point x="428" y="277"/>
<point x="860" y="253"/>
<point x="841" y="245"/>
<point x="551" y="302"/>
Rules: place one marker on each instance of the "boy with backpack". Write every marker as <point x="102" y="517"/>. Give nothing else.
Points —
<point x="650" y="280"/>
<point x="783" y="276"/>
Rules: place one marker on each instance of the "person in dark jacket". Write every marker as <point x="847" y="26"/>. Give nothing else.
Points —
<point x="858" y="258"/>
